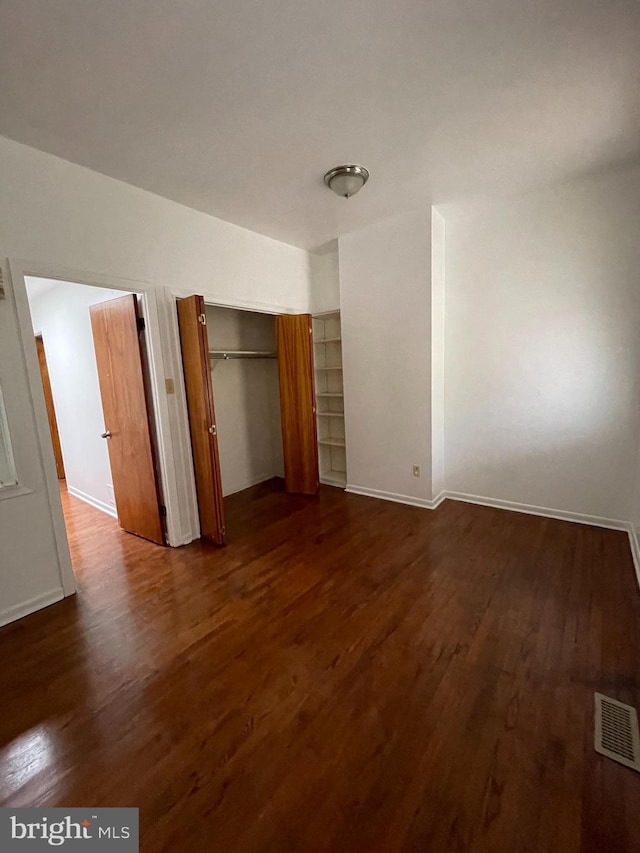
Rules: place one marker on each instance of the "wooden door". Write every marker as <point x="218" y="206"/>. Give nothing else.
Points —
<point x="51" y="412"/>
<point x="202" y="416"/>
<point x="116" y="331"/>
<point x="297" y="403"/>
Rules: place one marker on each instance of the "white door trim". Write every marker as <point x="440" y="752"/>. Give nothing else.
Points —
<point x="237" y="303"/>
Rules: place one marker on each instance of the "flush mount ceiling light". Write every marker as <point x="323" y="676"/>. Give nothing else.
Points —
<point x="346" y="181"/>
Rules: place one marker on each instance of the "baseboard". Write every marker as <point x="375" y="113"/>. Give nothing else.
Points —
<point x="255" y="482"/>
<point x="94" y="502"/>
<point x="30" y="606"/>
<point x="425" y="503"/>
<point x="329" y="481"/>
<point x="546" y="512"/>
<point x="512" y="506"/>
<point x="438" y="500"/>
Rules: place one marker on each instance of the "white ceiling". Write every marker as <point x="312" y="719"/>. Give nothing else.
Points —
<point x="238" y="107"/>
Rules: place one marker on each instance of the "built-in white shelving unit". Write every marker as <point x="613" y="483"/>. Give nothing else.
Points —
<point x="327" y="341"/>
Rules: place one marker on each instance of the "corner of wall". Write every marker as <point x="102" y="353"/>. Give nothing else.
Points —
<point x="438" y="234"/>
<point x="324" y="279"/>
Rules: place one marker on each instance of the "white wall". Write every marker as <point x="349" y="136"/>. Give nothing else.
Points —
<point x="56" y="213"/>
<point x="543" y="347"/>
<point x="385" y="287"/>
<point x="61" y="314"/>
<point x="325" y="279"/>
<point x="247" y="399"/>
<point x="30" y="566"/>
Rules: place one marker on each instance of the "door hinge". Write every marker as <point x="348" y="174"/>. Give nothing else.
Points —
<point x="223" y="531"/>
<point x="310" y="330"/>
<point x="141" y="324"/>
<point x="213" y="429"/>
<point x="163" y="511"/>
<point x="202" y="319"/>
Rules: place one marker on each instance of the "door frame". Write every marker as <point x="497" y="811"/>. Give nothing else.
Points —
<point x="218" y="301"/>
<point x="237" y="304"/>
<point x="51" y="407"/>
<point x="169" y="425"/>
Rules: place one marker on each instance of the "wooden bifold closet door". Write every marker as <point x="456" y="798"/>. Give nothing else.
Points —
<point x="202" y="416"/>
<point x="297" y="403"/>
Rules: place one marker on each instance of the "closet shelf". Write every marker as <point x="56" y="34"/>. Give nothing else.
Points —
<point x="228" y="354"/>
<point x="331" y="414"/>
<point x="328" y="368"/>
<point x="332" y="441"/>
<point x="334" y="478"/>
<point x="326" y="340"/>
<point x="337" y="394"/>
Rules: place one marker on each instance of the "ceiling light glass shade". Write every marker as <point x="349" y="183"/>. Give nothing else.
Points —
<point x="346" y="181"/>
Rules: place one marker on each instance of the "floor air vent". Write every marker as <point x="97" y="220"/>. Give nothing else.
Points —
<point x="617" y="731"/>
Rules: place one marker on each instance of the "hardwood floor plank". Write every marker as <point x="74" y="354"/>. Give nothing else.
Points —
<point x="346" y="675"/>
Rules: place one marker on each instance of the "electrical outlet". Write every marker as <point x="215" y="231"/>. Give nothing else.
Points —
<point x="416" y="470"/>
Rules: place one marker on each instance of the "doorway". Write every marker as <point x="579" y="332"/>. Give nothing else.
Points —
<point x="244" y="371"/>
<point x="243" y="363"/>
<point x="92" y="359"/>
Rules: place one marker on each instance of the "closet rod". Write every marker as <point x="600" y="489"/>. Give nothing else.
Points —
<point x="241" y="353"/>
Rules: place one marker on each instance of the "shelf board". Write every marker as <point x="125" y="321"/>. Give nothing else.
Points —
<point x="337" y="394"/>
<point x="334" y="478"/>
<point x="332" y="441"/>
<point x="326" y="340"/>
<point x="331" y="414"/>
<point x="328" y="368"/>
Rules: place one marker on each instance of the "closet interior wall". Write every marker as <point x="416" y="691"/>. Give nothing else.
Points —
<point x="247" y="398"/>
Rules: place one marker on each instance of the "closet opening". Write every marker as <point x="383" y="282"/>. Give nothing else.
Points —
<point x="92" y="357"/>
<point x="243" y="361"/>
<point x="252" y="412"/>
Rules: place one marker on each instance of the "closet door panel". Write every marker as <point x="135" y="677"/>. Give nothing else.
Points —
<point x="202" y="417"/>
<point x="297" y="403"/>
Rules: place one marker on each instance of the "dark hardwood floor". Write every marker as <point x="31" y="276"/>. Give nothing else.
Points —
<point x="346" y="675"/>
